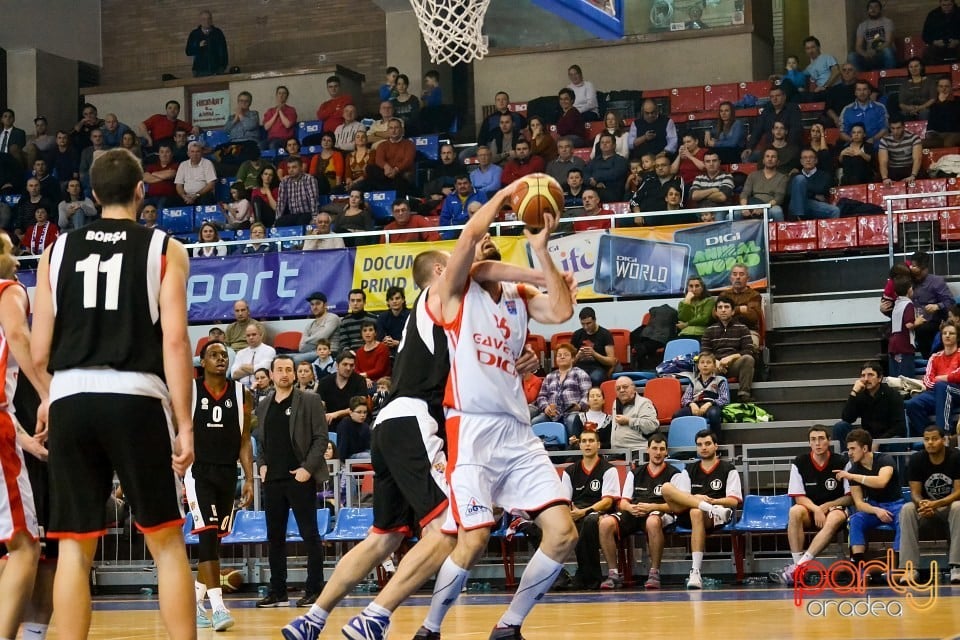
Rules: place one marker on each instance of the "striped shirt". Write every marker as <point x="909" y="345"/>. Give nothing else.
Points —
<point x="900" y="152"/>
<point x="721" y="181"/>
<point x="724" y="340"/>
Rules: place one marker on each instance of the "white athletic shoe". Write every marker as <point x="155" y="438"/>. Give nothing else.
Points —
<point x="694" y="580"/>
<point x="721" y="515"/>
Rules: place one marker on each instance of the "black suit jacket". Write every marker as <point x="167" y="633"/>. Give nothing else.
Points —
<point x="308" y="432"/>
<point x="17" y="137"/>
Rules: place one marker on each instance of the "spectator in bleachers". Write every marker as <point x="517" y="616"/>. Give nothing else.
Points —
<point x="650" y="195"/>
<point x="432" y="95"/>
<point x="779" y="111"/>
<point x="262" y="385"/>
<point x="327" y="166"/>
<point x="378" y="130"/>
<point x="522" y="164"/>
<point x="388" y="89"/>
<point x="255" y="355"/>
<point x="324" y="365"/>
<point x="931" y="296"/>
<point x="492" y="124"/>
<point x="730" y="341"/>
<point x="208" y="47"/>
<point x="595" y="347"/>
<point x="238" y="212"/>
<point x="297" y="197"/>
<point x="703" y="496"/>
<point x="455" y="209"/>
<point x="92" y="151"/>
<point x="943" y="126"/>
<point x="903" y="321"/>
<point x="442" y="177"/>
<point x="49" y="186"/>
<point x="76" y="210"/>
<point x="592" y="207"/>
<point x="392" y="167"/>
<point x="346" y="132"/>
<point x="695" y="310"/>
<point x="486" y="177"/>
<point x="592" y="414"/>
<point x="570" y="125"/>
<point x="306" y="380"/>
<point x="180" y="142"/>
<point x="65" y="159"/>
<point x="788" y="154"/>
<point x="32" y="200"/>
<point x="585" y="95"/>
<point x="573" y="189"/>
<point x="148" y="216"/>
<point x="819" y="502"/>
<point x="767" y="185"/>
<point x="113" y="131"/>
<point x="41" y="234"/>
<point x="323" y="326"/>
<point x="634" y="417"/>
<point x="856" y="159"/>
<point x="941" y="33"/>
<point x="373" y="356"/>
<point x="839" y="95"/>
<point x="810" y="190"/>
<point x="406" y="106"/>
<point x="607" y="172"/>
<point x="249" y="172"/>
<point x="322" y="224"/>
<point x="564" y="391"/>
<point x="355" y="215"/>
<point x="713" y="186"/>
<point x="826" y="159"/>
<point x="934" y="477"/>
<point x="794" y="80"/>
<point x="639" y="169"/>
<point x="348" y="334"/>
<point x="41" y="144"/>
<point x="707" y="395"/>
<point x="211" y="237"/>
<point x="292" y="147"/>
<point x="264" y="196"/>
<point x="235" y="334"/>
<point x="916" y="94"/>
<point x="243" y="129"/>
<point x="613" y="126"/>
<point x="12" y="140"/>
<point x="131" y="143"/>
<point x="280" y="121"/>
<point x="196" y="178"/>
<point x="331" y="111"/>
<point x="541" y="142"/>
<point x="871" y="114"/>
<point x="899" y="154"/>
<point x="878" y="407"/>
<point x="689" y="161"/>
<point x="823" y="68"/>
<point x="391" y="322"/>
<point x="162" y="126"/>
<point x="89" y="120"/>
<point x="337" y="389"/>
<point x="941" y="379"/>
<point x="653" y="132"/>
<point x="353" y="430"/>
<point x="355" y="165"/>
<point x="873" y="43"/>
<point x="258" y="233"/>
<point x="504" y="140"/>
<point x="560" y="166"/>
<point x="728" y="136"/>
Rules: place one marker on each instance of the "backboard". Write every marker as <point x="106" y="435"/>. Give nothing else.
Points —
<point x="602" y="18"/>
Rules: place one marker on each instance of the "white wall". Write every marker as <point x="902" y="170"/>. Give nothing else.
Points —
<point x="67" y="28"/>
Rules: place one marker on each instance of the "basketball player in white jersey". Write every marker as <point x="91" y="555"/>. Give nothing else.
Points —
<point x="18" y="517"/>
<point x="111" y="325"/>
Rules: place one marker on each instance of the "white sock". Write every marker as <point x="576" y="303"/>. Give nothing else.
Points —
<point x="216" y="598"/>
<point x="796" y="556"/>
<point x="201" y="590"/>
<point x="537" y="579"/>
<point x="806" y="557"/>
<point x="706" y="506"/>
<point x="318" y="614"/>
<point x="373" y="609"/>
<point x="449" y="584"/>
<point x="35" y="630"/>
<point x="697" y="560"/>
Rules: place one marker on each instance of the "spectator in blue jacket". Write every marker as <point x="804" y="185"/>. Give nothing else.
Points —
<point x="455" y="206"/>
<point x="872" y="115"/>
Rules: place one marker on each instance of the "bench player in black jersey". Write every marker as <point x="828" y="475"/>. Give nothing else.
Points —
<point x="820" y="501"/>
<point x="703" y="496"/>
<point x="110" y="324"/>
<point x="221" y="435"/>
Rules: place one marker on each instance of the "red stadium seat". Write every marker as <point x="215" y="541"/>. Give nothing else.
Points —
<point x="932" y="156"/>
<point x="840" y="233"/>
<point x="593" y="129"/>
<point x="955" y="75"/>
<point x="745" y="168"/>
<point x="894" y="73"/>
<point x="918" y="127"/>
<point x="686" y="100"/>
<point x="621" y="345"/>
<point x="714" y="94"/>
<point x="873" y="231"/>
<point x="758" y="89"/>
<point x="950" y="225"/>
<point x="772" y="237"/>
<point x="665" y="395"/>
<point x="288" y="340"/>
<point x="856" y="192"/>
<point x="558" y="339"/>
<point x="797" y="236"/>
<point x="609" y="388"/>
<point x="539" y="345"/>
<point x="200" y="343"/>
<point x="913" y="47"/>
<point x="936" y="185"/>
<point x="877" y="191"/>
<point x="518" y="107"/>
<point x="873" y="77"/>
<point x="583" y="153"/>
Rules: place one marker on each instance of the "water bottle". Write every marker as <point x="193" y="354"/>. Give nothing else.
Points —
<point x="146" y="592"/>
<point x="263" y="590"/>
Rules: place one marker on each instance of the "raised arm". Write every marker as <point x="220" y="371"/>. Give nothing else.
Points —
<point x="556" y="305"/>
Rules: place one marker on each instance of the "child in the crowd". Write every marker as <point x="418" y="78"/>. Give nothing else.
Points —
<point x="432" y="96"/>
<point x="901" y="344"/>
<point x="306" y="380"/>
<point x="353" y="431"/>
<point x="239" y="211"/>
<point x="708" y="394"/>
<point x="325" y="364"/>
<point x="635" y="177"/>
<point x="379" y="398"/>
<point x="793" y="79"/>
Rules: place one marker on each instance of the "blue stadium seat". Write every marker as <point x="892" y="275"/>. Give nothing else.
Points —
<point x="352" y="525"/>
<point x="223" y="190"/>
<point x="177" y="220"/>
<point x="288" y="232"/>
<point x="213" y="138"/>
<point x="248" y="527"/>
<point x="209" y="213"/>
<point x="187" y="238"/>
<point x="507" y="550"/>
<point x="381" y="204"/>
<point x="308" y="128"/>
<point x="323" y="525"/>
<point x="764" y="514"/>
<point x="428" y="146"/>
<point x="680" y="347"/>
<point x="683" y="431"/>
<point x="188" y="537"/>
<point x="11" y="199"/>
<point x="553" y="434"/>
<point x="333" y="437"/>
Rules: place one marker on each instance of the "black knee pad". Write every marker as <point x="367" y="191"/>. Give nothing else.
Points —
<point x="209" y="547"/>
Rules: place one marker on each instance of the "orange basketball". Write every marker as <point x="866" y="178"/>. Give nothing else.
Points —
<point x="231" y="580"/>
<point x="536" y="195"/>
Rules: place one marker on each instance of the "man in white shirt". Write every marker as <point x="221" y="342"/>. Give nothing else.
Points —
<point x="196" y="178"/>
<point x="256" y="355"/>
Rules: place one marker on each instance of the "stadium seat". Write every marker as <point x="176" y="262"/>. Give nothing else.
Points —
<point x="876" y="192"/>
<point x="913" y="47"/>
<point x="332" y="437"/>
<point x="683" y="431"/>
<point x="680" y="347"/>
<point x="308" y="128"/>
<point x="553" y="434"/>
<point x="609" y="388"/>
<point x="203" y="340"/>
<point x="518" y="107"/>
<point x="248" y="527"/>
<point x="714" y="94"/>
<point x="686" y="100"/>
<point x="176" y="220"/>
<point x="293" y="530"/>
<point x="936" y="185"/>
<point x="11" y="199"/>
<point x="759" y="89"/>
<point x="559" y="338"/>
<point x="583" y="153"/>
<point x="288" y="341"/>
<point x="665" y="395"/>
<point x="507" y="550"/>
<point x="856" y="192"/>
<point x="428" y="146"/>
<point x="745" y="168"/>
<point x="918" y="127"/>
<point x="797" y="236"/>
<point x="381" y="204"/>
<point x="539" y="345"/>
<point x="209" y="213"/>
<point x="621" y="345"/>
<point x="932" y="156"/>
<point x="213" y="138"/>
<point x="352" y="524"/>
<point x="873" y="231"/>
<point x="188" y="536"/>
<point x="839" y="233"/>
<point x="764" y="514"/>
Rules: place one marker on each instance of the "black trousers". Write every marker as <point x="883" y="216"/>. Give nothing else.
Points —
<point x="280" y="496"/>
<point x="587" y="550"/>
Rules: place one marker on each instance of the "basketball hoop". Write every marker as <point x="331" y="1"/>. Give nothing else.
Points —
<point x="452" y="29"/>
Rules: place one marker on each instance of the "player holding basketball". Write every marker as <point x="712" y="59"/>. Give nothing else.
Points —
<point x="495" y="457"/>
<point x="221" y="430"/>
<point x="18" y="516"/>
<point x="111" y="325"/>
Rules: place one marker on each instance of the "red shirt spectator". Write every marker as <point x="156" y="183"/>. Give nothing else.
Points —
<point x="331" y="111"/>
<point x="160" y="175"/>
<point x="403" y="220"/>
<point x="523" y="165"/>
<point x="161" y="126"/>
<point x="591" y="207"/>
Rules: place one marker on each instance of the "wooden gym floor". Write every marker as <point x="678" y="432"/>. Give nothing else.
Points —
<point x="756" y="612"/>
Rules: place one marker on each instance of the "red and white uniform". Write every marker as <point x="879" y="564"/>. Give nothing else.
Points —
<point x="494" y="458"/>
<point x="17" y="512"/>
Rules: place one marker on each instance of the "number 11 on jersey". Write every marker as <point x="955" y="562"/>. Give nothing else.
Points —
<point x="91" y="267"/>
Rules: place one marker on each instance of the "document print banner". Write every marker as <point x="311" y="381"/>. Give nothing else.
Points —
<point x="274" y="284"/>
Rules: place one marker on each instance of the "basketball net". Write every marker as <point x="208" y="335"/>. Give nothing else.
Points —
<point x="452" y="29"/>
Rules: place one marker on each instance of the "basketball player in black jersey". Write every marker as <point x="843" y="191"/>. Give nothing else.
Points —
<point x="221" y="432"/>
<point x="110" y="324"/>
<point x="820" y="501"/>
